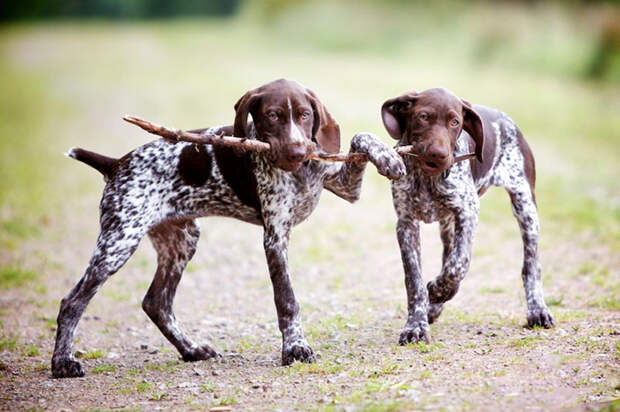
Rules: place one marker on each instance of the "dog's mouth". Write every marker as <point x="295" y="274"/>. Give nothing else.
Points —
<point x="290" y="166"/>
<point x="431" y="168"/>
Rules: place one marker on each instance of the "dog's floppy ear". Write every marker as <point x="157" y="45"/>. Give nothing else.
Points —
<point x="243" y="107"/>
<point x="325" y="129"/>
<point x="393" y="113"/>
<point x="472" y="124"/>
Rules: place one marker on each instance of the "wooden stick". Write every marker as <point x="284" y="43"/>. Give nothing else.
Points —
<point x="203" y="138"/>
<point x="256" y="145"/>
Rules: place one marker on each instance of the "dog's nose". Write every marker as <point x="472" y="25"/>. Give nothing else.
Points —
<point x="296" y="154"/>
<point x="439" y="153"/>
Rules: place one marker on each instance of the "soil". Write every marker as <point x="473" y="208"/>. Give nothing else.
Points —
<point x="348" y="278"/>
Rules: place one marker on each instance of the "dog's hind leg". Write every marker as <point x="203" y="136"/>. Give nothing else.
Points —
<point x="114" y="247"/>
<point x="524" y="210"/>
<point x="175" y="243"/>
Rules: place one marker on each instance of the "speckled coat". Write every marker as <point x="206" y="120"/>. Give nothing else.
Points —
<point x="161" y="188"/>
<point x="452" y="199"/>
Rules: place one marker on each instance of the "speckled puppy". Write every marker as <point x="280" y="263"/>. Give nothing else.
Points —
<point x="161" y="188"/>
<point x="442" y="126"/>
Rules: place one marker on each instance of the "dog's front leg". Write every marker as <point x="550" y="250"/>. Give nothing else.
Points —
<point x="457" y="258"/>
<point x="416" y="329"/>
<point x="345" y="179"/>
<point x="294" y="345"/>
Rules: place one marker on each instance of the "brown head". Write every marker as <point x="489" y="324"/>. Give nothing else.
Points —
<point x="432" y="121"/>
<point x="291" y="119"/>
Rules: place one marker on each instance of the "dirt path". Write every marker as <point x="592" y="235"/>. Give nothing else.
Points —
<point x="349" y="281"/>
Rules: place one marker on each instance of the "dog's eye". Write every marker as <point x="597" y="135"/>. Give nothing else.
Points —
<point x="404" y="106"/>
<point x="454" y="122"/>
<point x="273" y="116"/>
<point x="423" y="116"/>
<point x="305" y="115"/>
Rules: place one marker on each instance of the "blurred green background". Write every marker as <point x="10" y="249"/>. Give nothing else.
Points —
<point x="69" y="70"/>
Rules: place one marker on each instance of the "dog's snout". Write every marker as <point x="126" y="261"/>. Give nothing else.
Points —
<point x="438" y="152"/>
<point x="296" y="153"/>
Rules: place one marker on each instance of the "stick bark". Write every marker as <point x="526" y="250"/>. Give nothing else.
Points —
<point x="255" y="145"/>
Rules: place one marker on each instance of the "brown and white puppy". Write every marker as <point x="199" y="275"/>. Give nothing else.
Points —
<point x="161" y="188"/>
<point x="441" y="126"/>
<point x="291" y="119"/>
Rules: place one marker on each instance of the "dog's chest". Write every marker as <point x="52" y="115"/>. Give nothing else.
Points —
<point x="423" y="198"/>
<point x="288" y="195"/>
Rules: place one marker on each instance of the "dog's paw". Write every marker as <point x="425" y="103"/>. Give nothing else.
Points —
<point x="297" y="351"/>
<point x="386" y="160"/>
<point x="440" y="292"/>
<point x="389" y="164"/>
<point x="415" y="332"/>
<point x="66" y="368"/>
<point x="434" y="310"/>
<point x="540" y="316"/>
<point x="198" y="353"/>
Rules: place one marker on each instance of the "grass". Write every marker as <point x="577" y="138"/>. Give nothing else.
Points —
<point x="30" y="350"/>
<point x="524" y="342"/>
<point x="8" y="343"/>
<point x="227" y="401"/>
<point x="495" y="289"/>
<point x="91" y="354"/>
<point x="103" y="369"/>
<point x="317" y="368"/>
<point x="12" y="277"/>
<point x="143" y="387"/>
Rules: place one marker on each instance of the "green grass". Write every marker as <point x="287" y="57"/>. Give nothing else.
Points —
<point x="495" y="289"/>
<point x="12" y="277"/>
<point x="227" y="401"/>
<point x="104" y="368"/>
<point x="8" y="343"/>
<point x="91" y="354"/>
<point x="317" y="368"/>
<point x="45" y="92"/>
<point x="143" y="387"/>
<point x="521" y="343"/>
<point x="30" y="350"/>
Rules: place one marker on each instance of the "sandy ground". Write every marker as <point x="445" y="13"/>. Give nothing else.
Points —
<point x="348" y="278"/>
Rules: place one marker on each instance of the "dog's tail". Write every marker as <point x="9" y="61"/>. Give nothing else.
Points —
<point x="104" y="164"/>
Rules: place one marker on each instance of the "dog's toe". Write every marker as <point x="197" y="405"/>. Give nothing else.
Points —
<point x="540" y="317"/>
<point x="297" y="351"/>
<point x="434" y="310"/>
<point x="416" y="332"/>
<point x="199" y="353"/>
<point x="67" y="368"/>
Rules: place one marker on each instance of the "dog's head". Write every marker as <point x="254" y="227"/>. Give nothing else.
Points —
<point x="291" y="119"/>
<point x="432" y="121"/>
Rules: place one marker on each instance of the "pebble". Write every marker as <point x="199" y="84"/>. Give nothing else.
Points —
<point x="144" y="346"/>
<point x="216" y="372"/>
